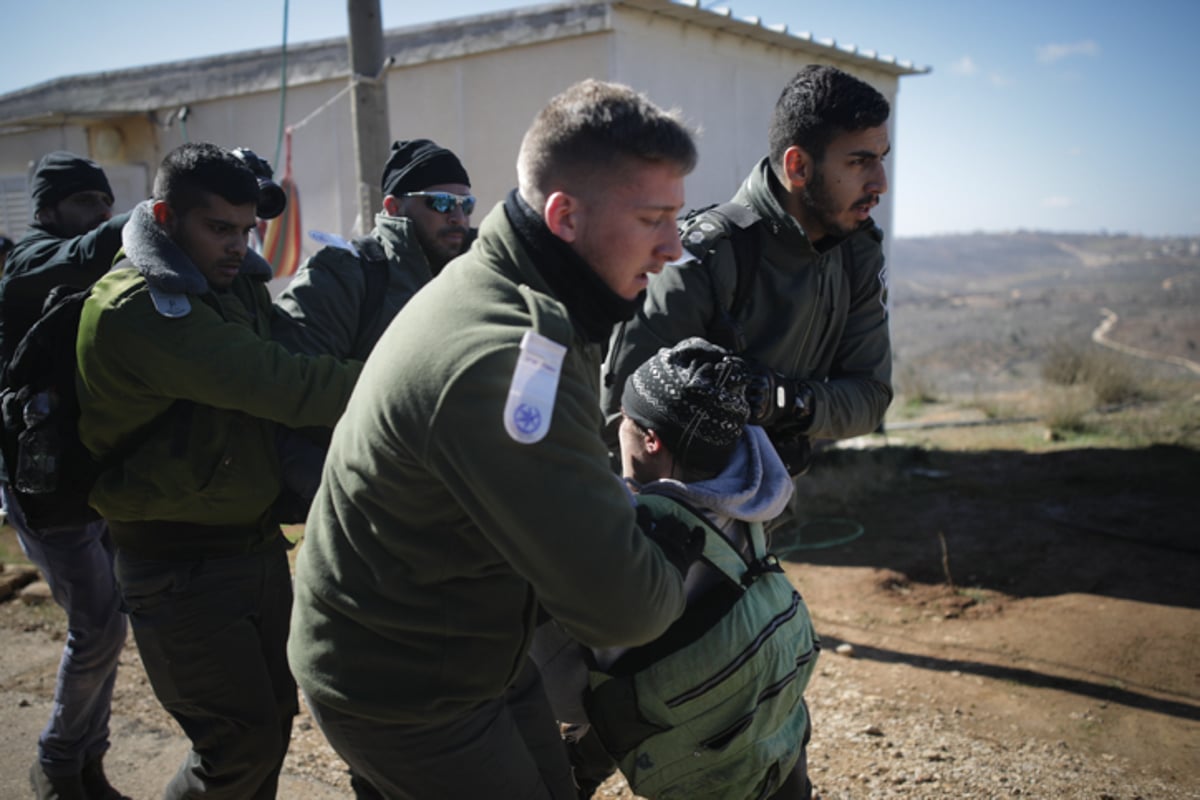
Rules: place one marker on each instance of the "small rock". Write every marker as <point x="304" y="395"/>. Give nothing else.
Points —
<point x="873" y="730"/>
<point x="36" y="593"/>
<point x="13" y="577"/>
<point x="845" y="649"/>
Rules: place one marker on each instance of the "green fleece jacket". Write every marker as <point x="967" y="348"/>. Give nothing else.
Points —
<point x="211" y="460"/>
<point x="808" y="316"/>
<point x="321" y="310"/>
<point x="435" y="535"/>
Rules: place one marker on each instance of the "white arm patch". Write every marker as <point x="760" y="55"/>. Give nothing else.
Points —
<point x="333" y="240"/>
<point x="169" y="304"/>
<point x="531" y="394"/>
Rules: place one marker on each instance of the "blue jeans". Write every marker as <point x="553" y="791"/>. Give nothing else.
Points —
<point x="78" y="565"/>
<point x="212" y="636"/>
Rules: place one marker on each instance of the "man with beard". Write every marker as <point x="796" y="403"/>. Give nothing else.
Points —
<point x="335" y="305"/>
<point x="790" y="275"/>
<point x="468" y="491"/>
<point x="341" y="300"/>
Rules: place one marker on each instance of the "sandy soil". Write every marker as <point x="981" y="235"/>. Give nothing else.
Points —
<point x="1006" y="624"/>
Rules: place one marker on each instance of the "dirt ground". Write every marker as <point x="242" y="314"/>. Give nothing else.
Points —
<point x="996" y="623"/>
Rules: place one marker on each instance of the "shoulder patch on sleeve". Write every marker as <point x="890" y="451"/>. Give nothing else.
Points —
<point x="170" y="304"/>
<point x="702" y="233"/>
<point x="333" y="240"/>
<point x="534" y="386"/>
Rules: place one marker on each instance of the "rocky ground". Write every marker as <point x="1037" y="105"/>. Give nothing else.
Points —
<point x="1007" y="624"/>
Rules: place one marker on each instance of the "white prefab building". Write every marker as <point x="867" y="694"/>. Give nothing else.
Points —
<point x="472" y="84"/>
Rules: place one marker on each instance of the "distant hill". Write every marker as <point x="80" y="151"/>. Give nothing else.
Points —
<point x="976" y="312"/>
<point x="961" y="259"/>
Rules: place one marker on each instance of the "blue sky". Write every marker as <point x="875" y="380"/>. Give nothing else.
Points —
<point x="1063" y="115"/>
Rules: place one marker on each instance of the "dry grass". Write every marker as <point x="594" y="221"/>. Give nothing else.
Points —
<point x="1112" y="378"/>
<point x="916" y="388"/>
<point x="1065" y="409"/>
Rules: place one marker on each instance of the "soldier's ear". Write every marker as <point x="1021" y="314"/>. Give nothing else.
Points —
<point x="562" y="216"/>
<point x="164" y="215"/>
<point x="797" y="166"/>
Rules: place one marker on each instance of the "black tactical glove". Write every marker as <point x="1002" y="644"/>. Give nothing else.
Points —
<point x="793" y="446"/>
<point x="774" y="397"/>
<point x="680" y="544"/>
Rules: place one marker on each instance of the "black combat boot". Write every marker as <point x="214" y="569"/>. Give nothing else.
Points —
<point x="96" y="784"/>
<point x="50" y="787"/>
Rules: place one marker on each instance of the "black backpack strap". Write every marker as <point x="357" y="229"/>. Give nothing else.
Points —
<point x="739" y="224"/>
<point x="375" y="274"/>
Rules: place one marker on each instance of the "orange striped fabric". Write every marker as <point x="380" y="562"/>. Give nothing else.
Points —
<point x="282" y="238"/>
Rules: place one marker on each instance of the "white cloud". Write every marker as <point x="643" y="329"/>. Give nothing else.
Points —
<point x="1057" y="201"/>
<point x="1049" y="53"/>
<point x="999" y="81"/>
<point x="964" y="66"/>
<point x="1075" y="151"/>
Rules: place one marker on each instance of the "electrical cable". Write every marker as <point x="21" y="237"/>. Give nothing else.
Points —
<point x="282" y="86"/>
<point x="794" y="539"/>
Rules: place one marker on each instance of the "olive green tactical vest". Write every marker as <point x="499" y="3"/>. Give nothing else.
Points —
<point x="714" y="708"/>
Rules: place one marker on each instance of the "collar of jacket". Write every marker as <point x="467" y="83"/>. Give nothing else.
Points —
<point x="164" y="265"/>
<point x="594" y="308"/>
<point x="758" y="192"/>
<point x="399" y="239"/>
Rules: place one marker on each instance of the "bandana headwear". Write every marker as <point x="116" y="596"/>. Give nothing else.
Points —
<point x="61" y="174"/>
<point x="417" y="164"/>
<point x="693" y="395"/>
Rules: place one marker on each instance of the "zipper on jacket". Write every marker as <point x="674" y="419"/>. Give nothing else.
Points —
<point x="802" y="350"/>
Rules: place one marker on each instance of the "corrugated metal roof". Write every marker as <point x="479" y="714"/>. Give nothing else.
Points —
<point x="167" y="85"/>
<point x="723" y="18"/>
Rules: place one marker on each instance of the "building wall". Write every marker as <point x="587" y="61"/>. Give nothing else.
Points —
<point x="479" y="106"/>
<point x="19" y="152"/>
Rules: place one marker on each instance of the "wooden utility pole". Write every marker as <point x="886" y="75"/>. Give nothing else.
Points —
<point x="369" y="107"/>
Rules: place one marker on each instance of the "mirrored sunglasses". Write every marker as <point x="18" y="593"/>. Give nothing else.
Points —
<point x="444" y="202"/>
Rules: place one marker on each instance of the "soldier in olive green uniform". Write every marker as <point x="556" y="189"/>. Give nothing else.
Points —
<point x="467" y="490"/>
<point x="180" y="391"/>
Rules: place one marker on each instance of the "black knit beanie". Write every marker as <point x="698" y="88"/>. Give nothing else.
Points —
<point x="417" y="164"/>
<point x="61" y="174"/>
<point x="693" y="395"/>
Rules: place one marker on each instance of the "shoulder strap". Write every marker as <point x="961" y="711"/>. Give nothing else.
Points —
<point x="717" y="549"/>
<point x="375" y="280"/>
<point x="739" y="224"/>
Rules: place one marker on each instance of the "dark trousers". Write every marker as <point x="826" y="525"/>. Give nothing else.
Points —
<point x="212" y="636"/>
<point x="508" y="747"/>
